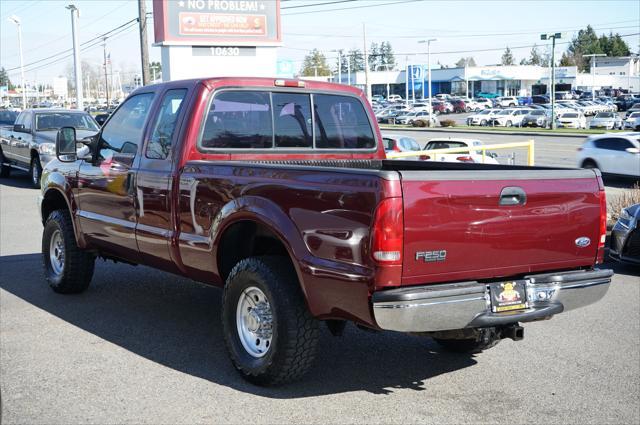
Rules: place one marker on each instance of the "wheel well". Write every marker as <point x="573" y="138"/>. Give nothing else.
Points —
<point x="34" y="154"/>
<point x="588" y="161"/>
<point x="53" y="200"/>
<point x="246" y="239"/>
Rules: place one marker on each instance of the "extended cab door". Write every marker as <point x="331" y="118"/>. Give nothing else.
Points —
<point x="106" y="187"/>
<point x="153" y="183"/>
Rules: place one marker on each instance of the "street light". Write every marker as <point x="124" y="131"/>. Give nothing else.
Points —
<point x="75" y="12"/>
<point x="428" y="41"/>
<point x="553" y="38"/>
<point x="16" y="20"/>
<point x="593" y="57"/>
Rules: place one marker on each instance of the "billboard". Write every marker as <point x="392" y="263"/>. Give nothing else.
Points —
<point x="217" y="22"/>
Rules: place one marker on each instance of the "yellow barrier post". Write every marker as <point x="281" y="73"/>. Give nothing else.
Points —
<point x="531" y="154"/>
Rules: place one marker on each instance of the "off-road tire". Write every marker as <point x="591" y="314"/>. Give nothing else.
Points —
<point x="35" y="172"/>
<point x="5" y="170"/>
<point x="78" y="264"/>
<point x="485" y="340"/>
<point x="295" y="331"/>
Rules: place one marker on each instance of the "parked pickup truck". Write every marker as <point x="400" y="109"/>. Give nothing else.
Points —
<point x="279" y="192"/>
<point x="29" y="143"/>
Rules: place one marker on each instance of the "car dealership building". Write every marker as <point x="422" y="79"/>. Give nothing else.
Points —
<point x="515" y="80"/>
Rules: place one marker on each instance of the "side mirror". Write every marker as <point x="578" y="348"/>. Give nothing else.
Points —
<point x="18" y="128"/>
<point x="633" y="150"/>
<point x="66" y="144"/>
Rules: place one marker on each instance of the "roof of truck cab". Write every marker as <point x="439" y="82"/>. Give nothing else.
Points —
<point x="215" y="82"/>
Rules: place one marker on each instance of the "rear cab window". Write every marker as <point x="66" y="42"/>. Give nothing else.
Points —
<point x="276" y="121"/>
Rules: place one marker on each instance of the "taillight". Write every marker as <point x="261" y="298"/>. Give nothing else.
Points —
<point x="603" y="226"/>
<point x="387" y="234"/>
<point x="465" y="159"/>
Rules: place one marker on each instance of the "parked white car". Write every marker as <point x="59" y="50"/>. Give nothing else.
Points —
<point x="612" y="153"/>
<point x="633" y="121"/>
<point x="483" y="103"/>
<point x="443" y="96"/>
<point x="482" y="118"/>
<point x="606" y="120"/>
<point x="408" y="118"/>
<point x="472" y="155"/>
<point x="571" y="120"/>
<point x="395" y="98"/>
<point x="507" y="101"/>
<point x="510" y="117"/>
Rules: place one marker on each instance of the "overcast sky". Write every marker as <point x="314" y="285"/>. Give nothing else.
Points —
<point x="484" y="28"/>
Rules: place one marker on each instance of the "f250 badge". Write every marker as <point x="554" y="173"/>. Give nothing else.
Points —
<point x="431" y="256"/>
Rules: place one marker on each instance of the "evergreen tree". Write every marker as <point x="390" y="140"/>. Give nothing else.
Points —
<point x="5" y="80"/>
<point x="465" y="62"/>
<point x="356" y="58"/>
<point x="374" y="56"/>
<point x="507" y="57"/>
<point x="315" y="62"/>
<point x="387" y="58"/>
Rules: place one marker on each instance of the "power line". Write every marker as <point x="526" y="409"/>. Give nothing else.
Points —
<point x="318" y="4"/>
<point x="106" y="34"/>
<point x="452" y="36"/>
<point x="352" y="7"/>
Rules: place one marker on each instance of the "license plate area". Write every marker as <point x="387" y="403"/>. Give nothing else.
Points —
<point x="508" y="296"/>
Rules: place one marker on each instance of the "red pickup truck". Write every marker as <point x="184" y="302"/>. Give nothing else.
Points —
<point x="279" y="192"/>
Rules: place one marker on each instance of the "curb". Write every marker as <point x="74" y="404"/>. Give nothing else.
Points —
<point x="467" y="131"/>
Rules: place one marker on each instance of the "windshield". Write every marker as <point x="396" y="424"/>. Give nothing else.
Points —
<point x="57" y="120"/>
<point x="569" y="115"/>
<point x="8" y="117"/>
<point x="485" y="112"/>
<point x="537" y="112"/>
<point x="635" y="115"/>
<point x="604" y="115"/>
<point x="505" y="112"/>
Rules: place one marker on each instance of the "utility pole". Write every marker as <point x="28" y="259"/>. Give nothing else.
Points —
<point x="75" y="13"/>
<point x="106" y="79"/>
<point x="366" y="63"/>
<point x="16" y="20"/>
<point x="429" y="72"/>
<point x="593" y="57"/>
<point x="144" y="47"/>
<point x="553" y="38"/>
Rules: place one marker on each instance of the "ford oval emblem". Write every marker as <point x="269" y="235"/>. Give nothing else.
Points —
<point x="583" y="242"/>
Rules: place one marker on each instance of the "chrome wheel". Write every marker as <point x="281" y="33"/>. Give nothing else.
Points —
<point x="56" y="253"/>
<point x="254" y="321"/>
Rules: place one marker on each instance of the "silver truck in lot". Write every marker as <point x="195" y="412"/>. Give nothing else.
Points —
<point x="29" y="144"/>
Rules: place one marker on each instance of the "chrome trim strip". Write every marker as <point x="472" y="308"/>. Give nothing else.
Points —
<point x="507" y="174"/>
<point x="410" y="305"/>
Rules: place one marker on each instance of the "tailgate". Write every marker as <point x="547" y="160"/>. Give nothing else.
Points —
<point x="482" y="224"/>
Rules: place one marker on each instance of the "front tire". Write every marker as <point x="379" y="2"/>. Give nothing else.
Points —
<point x="36" y="172"/>
<point x="270" y="335"/>
<point x="67" y="268"/>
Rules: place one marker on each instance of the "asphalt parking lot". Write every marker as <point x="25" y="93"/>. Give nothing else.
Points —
<point x="142" y="346"/>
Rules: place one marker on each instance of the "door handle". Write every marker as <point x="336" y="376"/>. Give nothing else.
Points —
<point x="512" y="195"/>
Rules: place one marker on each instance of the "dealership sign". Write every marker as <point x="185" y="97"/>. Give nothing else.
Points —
<point x="217" y="22"/>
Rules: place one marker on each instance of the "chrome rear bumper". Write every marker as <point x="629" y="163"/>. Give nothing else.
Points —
<point x="461" y="305"/>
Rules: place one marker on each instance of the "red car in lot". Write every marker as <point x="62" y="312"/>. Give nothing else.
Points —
<point x="278" y="191"/>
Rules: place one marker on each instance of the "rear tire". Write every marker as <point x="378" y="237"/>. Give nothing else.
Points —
<point x="270" y="335"/>
<point x="36" y="172"/>
<point x="509" y="124"/>
<point x="486" y="339"/>
<point x="5" y="170"/>
<point x="67" y="268"/>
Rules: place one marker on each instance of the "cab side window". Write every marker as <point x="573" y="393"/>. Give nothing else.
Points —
<point x="122" y="134"/>
<point x="159" y="145"/>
